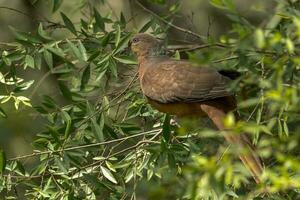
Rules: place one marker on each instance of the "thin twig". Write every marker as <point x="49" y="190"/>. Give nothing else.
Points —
<point x="83" y="146"/>
<point x="169" y="23"/>
<point x="39" y="83"/>
<point x="192" y="47"/>
<point x="127" y="87"/>
<point x="226" y="59"/>
<point x="98" y="163"/>
<point x="108" y="106"/>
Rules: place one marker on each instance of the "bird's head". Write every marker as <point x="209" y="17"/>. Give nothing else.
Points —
<point x="143" y="44"/>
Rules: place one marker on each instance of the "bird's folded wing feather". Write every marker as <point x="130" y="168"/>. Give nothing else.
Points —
<point x="180" y="81"/>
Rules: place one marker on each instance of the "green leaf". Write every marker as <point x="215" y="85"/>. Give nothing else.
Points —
<point x="166" y="128"/>
<point x="126" y="60"/>
<point x="171" y="161"/>
<point x="38" y="60"/>
<point x="122" y="44"/>
<point x="84" y="24"/>
<point x="20" y="168"/>
<point x="29" y="61"/>
<point x="65" y="91"/>
<point x="33" y="1"/>
<point x="2" y="161"/>
<point x="146" y="26"/>
<point x="105" y="40"/>
<point x="75" y="50"/>
<point x="54" y="133"/>
<point x="26" y="37"/>
<point x="69" y="23"/>
<point x="96" y="128"/>
<point x="61" y="165"/>
<point x="290" y="45"/>
<point x="43" y="33"/>
<point x="99" y="20"/>
<point x="285" y="128"/>
<point x="94" y="182"/>
<point x="85" y="77"/>
<point x="101" y="75"/>
<point x="105" y="105"/>
<point x="118" y="35"/>
<point x="107" y="174"/>
<point x="279" y="127"/>
<point x="49" y="102"/>
<point x="2" y="113"/>
<point x="68" y="120"/>
<point x="129" y="175"/>
<point x="48" y="58"/>
<point x="177" y="55"/>
<point x="218" y="3"/>
<point x="122" y="20"/>
<point x="94" y="55"/>
<point x="260" y="38"/>
<point x="162" y="2"/>
<point x="82" y="51"/>
<point x="57" y="51"/>
<point x="98" y="132"/>
<point x="23" y="86"/>
<point x="56" y="5"/>
<point x="113" y="67"/>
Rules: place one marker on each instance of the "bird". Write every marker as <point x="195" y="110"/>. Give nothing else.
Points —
<point x="182" y="88"/>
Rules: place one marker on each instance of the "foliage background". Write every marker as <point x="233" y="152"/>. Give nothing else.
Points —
<point x="74" y="123"/>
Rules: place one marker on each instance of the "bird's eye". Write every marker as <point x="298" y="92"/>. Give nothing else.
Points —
<point x="135" y="40"/>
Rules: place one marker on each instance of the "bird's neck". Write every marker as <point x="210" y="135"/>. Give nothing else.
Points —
<point x="154" y="52"/>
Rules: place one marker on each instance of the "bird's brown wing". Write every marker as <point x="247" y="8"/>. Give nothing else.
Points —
<point x="170" y="81"/>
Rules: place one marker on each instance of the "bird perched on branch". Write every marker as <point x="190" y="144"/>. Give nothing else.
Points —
<point x="181" y="88"/>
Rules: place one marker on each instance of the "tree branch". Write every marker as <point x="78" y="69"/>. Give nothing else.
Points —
<point x="169" y="23"/>
<point x="84" y="146"/>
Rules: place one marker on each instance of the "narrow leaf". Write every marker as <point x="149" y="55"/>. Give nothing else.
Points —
<point x="56" y="5"/>
<point x="54" y="134"/>
<point x="57" y="51"/>
<point x="166" y="128"/>
<point x="48" y="59"/>
<point x="107" y="174"/>
<point x="67" y="119"/>
<point x="99" y="20"/>
<point x="75" y="50"/>
<point x="82" y="51"/>
<point x="29" y="61"/>
<point x="146" y="26"/>
<point x="26" y="37"/>
<point x="65" y="91"/>
<point x="2" y="161"/>
<point x="122" y="19"/>
<point x="122" y="44"/>
<point x="126" y="60"/>
<point x="85" y="77"/>
<point x="42" y="33"/>
<point x="118" y="35"/>
<point x="69" y="23"/>
<point x="2" y="113"/>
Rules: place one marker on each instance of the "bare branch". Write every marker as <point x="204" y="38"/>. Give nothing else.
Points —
<point x="169" y="23"/>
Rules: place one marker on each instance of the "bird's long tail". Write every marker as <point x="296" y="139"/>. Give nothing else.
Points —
<point x="248" y="154"/>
